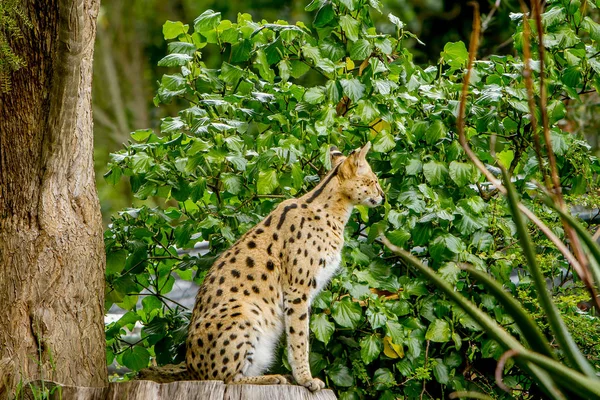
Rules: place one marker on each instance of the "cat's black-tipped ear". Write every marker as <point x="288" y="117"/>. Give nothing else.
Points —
<point x="363" y="152"/>
<point x="336" y="156"/>
<point x="360" y="155"/>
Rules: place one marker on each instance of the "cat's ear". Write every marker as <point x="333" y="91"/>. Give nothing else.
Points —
<point x="356" y="164"/>
<point x="365" y="150"/>
<point x="360" y="159"/>
<point x="362" y="155"/>
<point x="335" y="156"/>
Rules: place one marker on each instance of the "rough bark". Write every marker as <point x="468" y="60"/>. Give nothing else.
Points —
<point x="51" y="248"/>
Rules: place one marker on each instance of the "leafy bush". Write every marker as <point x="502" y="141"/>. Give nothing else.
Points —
<point x="251" y="134"/>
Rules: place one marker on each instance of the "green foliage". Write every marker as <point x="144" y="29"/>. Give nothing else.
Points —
<point x="12" y="19"/>
<point x="250" y="133"/>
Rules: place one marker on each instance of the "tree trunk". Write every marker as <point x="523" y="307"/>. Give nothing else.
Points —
<point x="51" y="247"/>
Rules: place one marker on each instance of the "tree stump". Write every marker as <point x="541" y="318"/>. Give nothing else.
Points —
<point x="184" y="390"/>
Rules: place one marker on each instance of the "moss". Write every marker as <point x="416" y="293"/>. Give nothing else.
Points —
<point x="12" y="21"/>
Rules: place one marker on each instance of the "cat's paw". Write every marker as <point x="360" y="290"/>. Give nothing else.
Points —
<point x="314" y="384"/>
<point x="277" y="380"/>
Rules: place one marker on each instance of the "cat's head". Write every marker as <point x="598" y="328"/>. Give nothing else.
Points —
<point x="357" y="181"/>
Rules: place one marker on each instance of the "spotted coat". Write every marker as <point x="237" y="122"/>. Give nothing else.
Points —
<point x="264" y="284"/>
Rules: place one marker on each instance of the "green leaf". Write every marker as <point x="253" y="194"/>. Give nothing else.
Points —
<point x="440" y="371"/>
<point x="360" y="49"/>
<point x="350" y="4"/>
<point x="173" y="29"/>
<point x="414" y="166"/>
<point x="384" y="86"/>
<point x="169" y="125"/>
<point x="412" y="200"/>
<point x="267" y="181"/>
<point x="455" y="54"/>
<point x="469" y="222"/>
<point x="331" y="49"/>
<point x="564" y="37"/>
<point x="149" y="304"/>
<point x="314" y="95"/>
<point x="396" y="331"/>
<point x="376" y="318"/>
<point x="370" y="347"/>
<point x="298" y="68"/>
<point x="450" y="272"/>
<point x="350" y="26"/>
<point x="173" y="82"/>
<point x="384" y="143"/>
<point x="553" y="16"/>
<point x="284" y="70"/>
<point x="419" y="128"/>
<point x="559" y="144"/>
<point x="435" y="132"/>
<point x="473" y="203"/>
<point x="240" y="51"/>
<point x="115" y="261"/>
<point x="232" y="183"/>
<point x="136" y="358"/>
<point x="141" y="135"/>
<point x="375" y="4"/>
<point x="174" y="60"/>
<point x="346" y="313"/>
<point x="384" y="45"/>
<point x="353" y="88"/>
<point x="462" y="173"/>
<point x="322" y="327"/>
<point x="482" y="241"/>
<point x="207" y="21"/>
<point x="435" y="172"/>
<point x="141" y="162"/>
<point x="383" y="379"/>
<point x="396" y="21"/>
<point x="231" y="74"/>
<point x="317" y="363"/>
<point x="505" y="157"/>
<point x="438" y="331"/>
<point x="314" y="5"/>
<point x="556" y="111"/>
<point x="324" y="16"/>
<point x="399" y="237"/>
<point x="340" y="375"/>
<point x="263" y="66"/>
<point x="592" y="27"/>
<point x="445" y="247"/>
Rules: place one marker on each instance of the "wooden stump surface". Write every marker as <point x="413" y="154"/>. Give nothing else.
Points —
<point x="188" y="390"/>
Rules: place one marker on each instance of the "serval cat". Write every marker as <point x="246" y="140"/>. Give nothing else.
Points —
<point x="264" y="285"/>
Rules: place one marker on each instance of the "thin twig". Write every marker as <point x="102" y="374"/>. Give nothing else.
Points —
<point x="500" y="369"/>
<point x="528" y="75"/>
<point x="596" y="235"/>
<point x="488" y="19"/>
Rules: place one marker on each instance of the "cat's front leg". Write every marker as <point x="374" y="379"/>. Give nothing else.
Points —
<point x="297" y="311"/>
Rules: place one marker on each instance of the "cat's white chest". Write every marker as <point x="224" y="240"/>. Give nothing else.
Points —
<point x="324" y="275"/>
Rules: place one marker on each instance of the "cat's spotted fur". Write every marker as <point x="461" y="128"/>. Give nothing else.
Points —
<point x="264" y="285"/>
